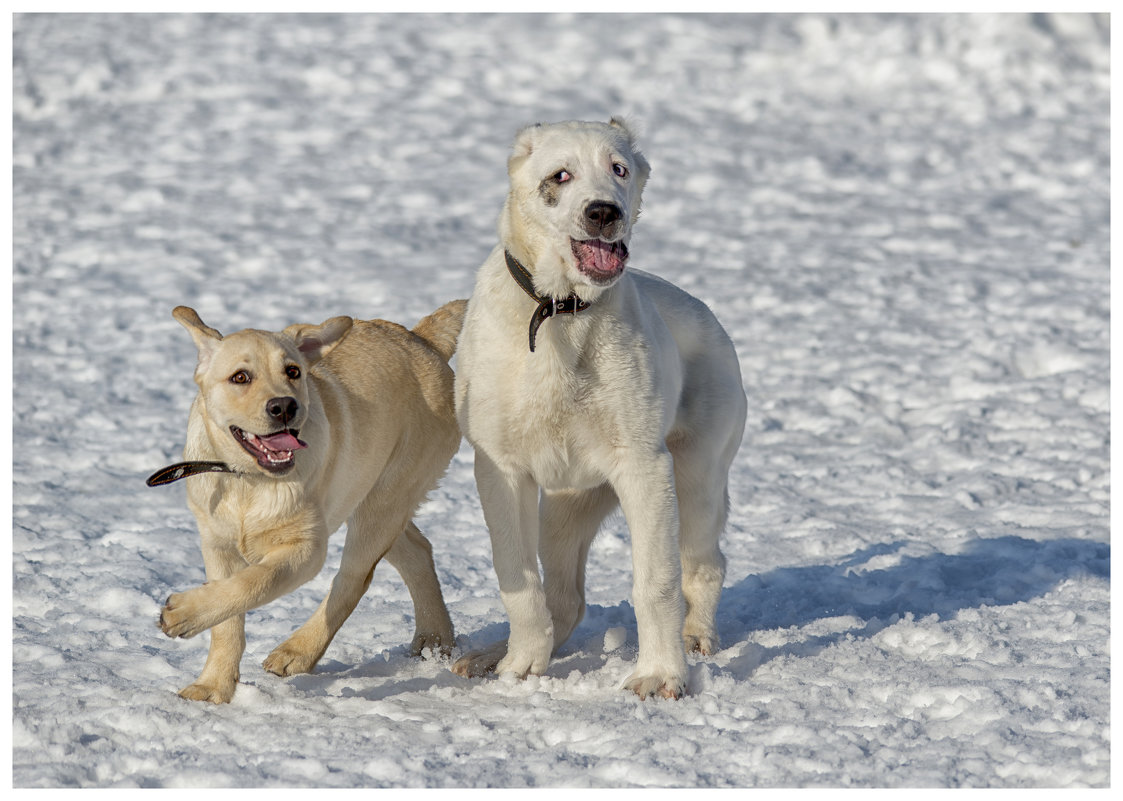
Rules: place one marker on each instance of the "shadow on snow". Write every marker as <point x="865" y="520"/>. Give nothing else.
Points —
<point x="873" y="585"/>
<point x="876" y="586"/>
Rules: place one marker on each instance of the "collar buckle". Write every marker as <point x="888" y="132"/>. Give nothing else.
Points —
<point x="547" y="307"/>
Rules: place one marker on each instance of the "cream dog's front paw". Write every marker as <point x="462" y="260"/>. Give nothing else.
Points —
<point x="211" y="693"/>
<point x="182" y="614"/>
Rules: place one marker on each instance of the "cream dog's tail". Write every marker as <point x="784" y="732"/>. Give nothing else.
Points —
<point x="441" y="328"/>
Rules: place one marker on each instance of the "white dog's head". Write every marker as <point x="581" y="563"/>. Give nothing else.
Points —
<point x="253" y="388"/>
<point x="575" y="194"/>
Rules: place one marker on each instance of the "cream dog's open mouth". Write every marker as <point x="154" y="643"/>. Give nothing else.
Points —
<point x="275" y="452"/>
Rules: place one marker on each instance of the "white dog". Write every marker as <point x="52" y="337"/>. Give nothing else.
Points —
<point x="307" y="428"/>
<point x="634" y="397"/>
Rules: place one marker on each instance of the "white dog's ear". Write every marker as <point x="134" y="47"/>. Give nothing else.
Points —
<point x="316" y="341"/>
<point x="643" y="169"/>
<point x="626" y="126"/>
<point x="206" y="338"/>
<point x="525" y="140"/>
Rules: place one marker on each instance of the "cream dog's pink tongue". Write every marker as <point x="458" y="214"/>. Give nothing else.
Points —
<point x="283" y="441"/>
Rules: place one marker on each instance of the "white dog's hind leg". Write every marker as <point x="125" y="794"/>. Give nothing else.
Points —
<point x="569" y="523"/>
<point x="703" y="508"/>
<point x="647" y="496"/>
<point x="510" y="506"/>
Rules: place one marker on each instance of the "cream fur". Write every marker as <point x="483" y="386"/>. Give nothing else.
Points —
<point x="376" y="411"/>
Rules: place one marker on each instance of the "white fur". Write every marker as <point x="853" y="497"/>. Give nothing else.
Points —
<point x="636" y="401"/>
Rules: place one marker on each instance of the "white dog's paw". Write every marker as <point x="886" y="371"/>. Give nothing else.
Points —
<point x="479" y="663"/>
<point x="523" y="663"/>
<point x="212" y="693"/>
<point x="663" y="686"/>
<point x="182" y="614"/>
<point x="704" y="644"/>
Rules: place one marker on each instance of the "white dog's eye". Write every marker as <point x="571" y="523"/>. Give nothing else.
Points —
<point x="292" y="371"/>
<point x="562" y="176"/>
<point x="240" y="377"/>
<point x="620" y="170"/>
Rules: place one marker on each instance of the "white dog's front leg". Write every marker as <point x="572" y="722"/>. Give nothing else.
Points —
<point x="510" y="506"/>
<point x="646" y="490"/>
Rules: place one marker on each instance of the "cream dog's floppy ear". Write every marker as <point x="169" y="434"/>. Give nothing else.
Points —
<point x="206" y="338"/>
<point x="316" y="341"/>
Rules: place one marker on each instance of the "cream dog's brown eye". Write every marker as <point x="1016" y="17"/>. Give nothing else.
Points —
<point x="292" y="371"/>
<point x="562" y="176"/>
<point x="620" y="170"/>
<point x="240" y="377"/>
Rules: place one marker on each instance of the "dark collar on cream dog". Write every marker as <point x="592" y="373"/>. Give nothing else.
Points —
<point x="174" y="472"/>
<point x="547" y="307"/>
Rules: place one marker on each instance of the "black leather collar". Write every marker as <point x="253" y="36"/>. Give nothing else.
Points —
<point x="174" y="472"/>
<point x="547" y="307"/>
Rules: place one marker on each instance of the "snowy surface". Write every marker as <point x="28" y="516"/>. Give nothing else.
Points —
<point x="903" y="223"/>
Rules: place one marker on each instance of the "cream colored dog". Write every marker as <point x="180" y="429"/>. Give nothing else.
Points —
<point x="634" y="397"/>
<point x="314" y="426"/>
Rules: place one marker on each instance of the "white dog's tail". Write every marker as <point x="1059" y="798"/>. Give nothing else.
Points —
<point x="441" y="328"/>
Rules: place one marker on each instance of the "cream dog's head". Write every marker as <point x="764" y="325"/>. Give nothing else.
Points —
<point x="253" y="388"/>
<point x="575" y="194"/>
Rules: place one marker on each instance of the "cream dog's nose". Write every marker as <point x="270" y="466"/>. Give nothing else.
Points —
<point x="282" y="409"/>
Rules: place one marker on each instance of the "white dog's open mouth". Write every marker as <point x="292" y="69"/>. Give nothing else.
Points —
<point x="274" y="452"/>
<point x="601" y="261"/>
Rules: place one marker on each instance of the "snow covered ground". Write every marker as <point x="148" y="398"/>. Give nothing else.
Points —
<point x="903" y="223"/>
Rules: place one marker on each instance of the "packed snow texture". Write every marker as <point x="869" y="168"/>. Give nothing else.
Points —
<point x="901" y="220"/>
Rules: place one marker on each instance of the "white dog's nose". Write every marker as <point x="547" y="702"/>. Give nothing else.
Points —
<point x="600" y="216"/>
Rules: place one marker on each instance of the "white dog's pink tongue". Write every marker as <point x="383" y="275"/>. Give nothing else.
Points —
<point x="284" y="441"/>
<point x="602" y="258"/>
